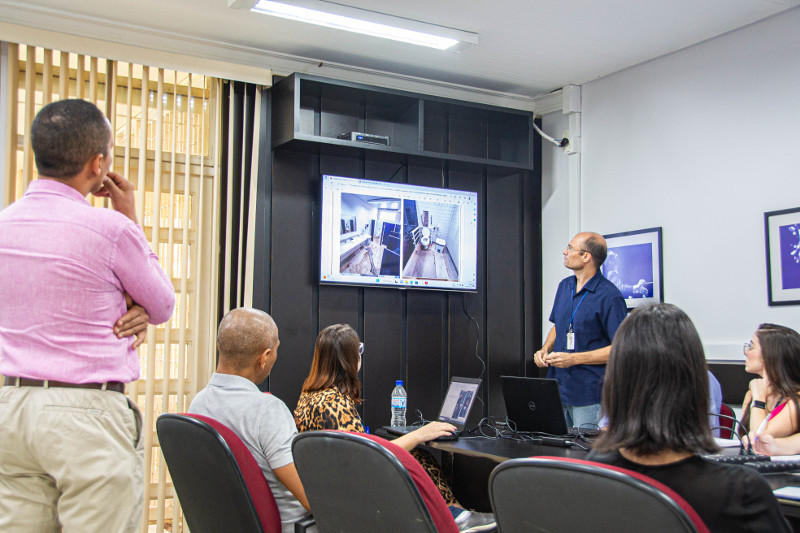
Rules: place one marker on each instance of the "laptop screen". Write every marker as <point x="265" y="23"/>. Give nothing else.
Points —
<point x="534" y="404"/>
<point x="458" y="402"/>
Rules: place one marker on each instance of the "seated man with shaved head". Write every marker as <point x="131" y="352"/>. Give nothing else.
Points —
<point x="247" y="341"/>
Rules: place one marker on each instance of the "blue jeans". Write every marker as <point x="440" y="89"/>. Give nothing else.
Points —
<point x="585" y="416"/>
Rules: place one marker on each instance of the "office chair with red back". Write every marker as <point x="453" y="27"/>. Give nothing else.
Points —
<point x="726" y="421"/>
<point x="359" y="482"/>
<point x="218" y="482"/>
<point x="562" y="494"/>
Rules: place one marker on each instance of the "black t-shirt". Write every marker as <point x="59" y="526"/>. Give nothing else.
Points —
<point x="728" y="498"/>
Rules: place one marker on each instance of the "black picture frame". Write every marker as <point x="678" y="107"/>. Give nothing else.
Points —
<point x="635" y="265"/>
<point x="782" y="245"/>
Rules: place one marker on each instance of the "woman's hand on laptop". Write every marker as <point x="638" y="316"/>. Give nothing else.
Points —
<point x="434" y="430"/>
<point x="424" y="434"/>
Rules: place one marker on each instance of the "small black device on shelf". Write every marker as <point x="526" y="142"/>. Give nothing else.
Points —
<point x="365" y="138"/>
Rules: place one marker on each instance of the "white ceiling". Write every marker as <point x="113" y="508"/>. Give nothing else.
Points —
<point x="526" y="47"/>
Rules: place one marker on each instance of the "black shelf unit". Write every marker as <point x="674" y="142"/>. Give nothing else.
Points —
<point x="310" y="111"/>
<point x="423" y="337"/>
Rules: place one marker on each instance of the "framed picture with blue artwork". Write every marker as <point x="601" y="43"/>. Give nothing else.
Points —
<point x="634" y="264"/>
<point x="782" y="234"/>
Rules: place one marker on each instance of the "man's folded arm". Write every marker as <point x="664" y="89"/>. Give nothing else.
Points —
<point x="142" y="277"/>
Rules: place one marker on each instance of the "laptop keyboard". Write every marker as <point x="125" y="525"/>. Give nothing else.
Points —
<point x="770" y="467"/>
<point x="762" y="464"/>
<point x="736" y="459"/>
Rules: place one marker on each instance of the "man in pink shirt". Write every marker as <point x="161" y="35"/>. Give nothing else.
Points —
<point x="71" y="454"/>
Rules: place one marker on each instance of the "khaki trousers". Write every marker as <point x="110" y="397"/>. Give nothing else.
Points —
<point x="71" y="460"/>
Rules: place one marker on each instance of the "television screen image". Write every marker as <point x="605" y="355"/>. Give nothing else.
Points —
<point x="398" y="235"/>
<point x="428" y="227"/>
<point x="370" y="235"/>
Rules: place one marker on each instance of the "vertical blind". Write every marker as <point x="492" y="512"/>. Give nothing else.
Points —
<point x="242" y="115"/>
<point x="166" y="131"/>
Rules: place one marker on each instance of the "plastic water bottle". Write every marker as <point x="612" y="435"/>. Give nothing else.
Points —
<point x="399" y="399"/>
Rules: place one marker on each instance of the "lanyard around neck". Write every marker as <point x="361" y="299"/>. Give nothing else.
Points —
<point x="571" y="301"/>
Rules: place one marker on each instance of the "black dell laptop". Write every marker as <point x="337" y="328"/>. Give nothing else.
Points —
<point x="534" y="405"/>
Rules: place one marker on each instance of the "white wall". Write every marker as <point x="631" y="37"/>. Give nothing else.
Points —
<point x="701" y="142"/>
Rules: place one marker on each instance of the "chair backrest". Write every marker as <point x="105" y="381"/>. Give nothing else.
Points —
<point x="219" y="484"/>
<point x="561" y="494"/>
<point x="359" y="482"/>
<point x="726" y="421"/>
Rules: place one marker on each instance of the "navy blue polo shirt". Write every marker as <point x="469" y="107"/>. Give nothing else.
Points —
<point x="599" y="310"/>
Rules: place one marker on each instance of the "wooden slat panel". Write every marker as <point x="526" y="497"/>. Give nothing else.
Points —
<point x="30" y="111"/>
<point x="427" y="320"/>
<point x="47" y="77"/>
<point x="467" y="336"/>
<point x="293" y="293"/>
<point x="12" y="139"/>
<point x="383" y="363"/>
<point x="504" y="304"/>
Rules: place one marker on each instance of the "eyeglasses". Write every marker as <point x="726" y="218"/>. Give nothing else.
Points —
<point x="360" y="348"/>
<point x="747" y="346"/>
<point x="571" y="249"/>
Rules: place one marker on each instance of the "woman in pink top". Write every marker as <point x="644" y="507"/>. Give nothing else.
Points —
<point x="773" y="398"/>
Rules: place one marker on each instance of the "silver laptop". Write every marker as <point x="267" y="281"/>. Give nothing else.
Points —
<point x="456" y="406"/>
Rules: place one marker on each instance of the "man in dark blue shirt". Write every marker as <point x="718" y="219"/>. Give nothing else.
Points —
<point x="586" y="313"/>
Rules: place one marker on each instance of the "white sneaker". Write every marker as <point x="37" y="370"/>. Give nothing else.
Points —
<point x="471" y="521"/>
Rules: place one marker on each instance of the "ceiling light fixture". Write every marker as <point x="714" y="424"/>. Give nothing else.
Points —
<point x="367" y="23"/>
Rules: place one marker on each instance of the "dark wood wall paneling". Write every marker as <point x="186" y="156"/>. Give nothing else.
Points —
<point x="422" y="337"/>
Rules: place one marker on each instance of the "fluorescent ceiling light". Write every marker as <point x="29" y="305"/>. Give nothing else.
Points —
<point x="366" y="27"/>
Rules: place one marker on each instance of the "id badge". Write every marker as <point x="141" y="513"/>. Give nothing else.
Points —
<point x="570" y="340"/>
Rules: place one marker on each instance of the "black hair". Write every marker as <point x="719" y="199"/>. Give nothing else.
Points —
<point x="656" y="386"/>
<point x="66" y="134"/>
<point x="780" y="349"/>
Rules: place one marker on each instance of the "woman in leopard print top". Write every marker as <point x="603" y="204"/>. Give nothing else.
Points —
<point x="327" y="409"/>
<point x="332" y="390"/>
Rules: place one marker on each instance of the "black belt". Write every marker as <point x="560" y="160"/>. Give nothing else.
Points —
<point x="116" y="386"/>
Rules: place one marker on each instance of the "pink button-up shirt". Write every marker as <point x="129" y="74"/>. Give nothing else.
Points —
<point x="64" y="268"/>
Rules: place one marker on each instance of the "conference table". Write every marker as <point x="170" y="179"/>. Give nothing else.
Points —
<point x="474" y="458"/>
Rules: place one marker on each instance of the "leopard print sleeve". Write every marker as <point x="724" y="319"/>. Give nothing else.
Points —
<point x="327" y="409"/>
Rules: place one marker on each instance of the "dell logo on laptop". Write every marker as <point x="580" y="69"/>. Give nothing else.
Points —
<point x="531" y="406"/>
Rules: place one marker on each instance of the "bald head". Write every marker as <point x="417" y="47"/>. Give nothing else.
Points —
<point x="245" y="334"/>
<point x="595" y="244"/>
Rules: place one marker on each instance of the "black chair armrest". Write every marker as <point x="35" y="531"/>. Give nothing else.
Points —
<point x="302" y="525"/>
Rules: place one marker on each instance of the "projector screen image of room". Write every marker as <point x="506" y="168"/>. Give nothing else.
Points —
<point x="397" y="235"/>
<point x="427" y="229"/>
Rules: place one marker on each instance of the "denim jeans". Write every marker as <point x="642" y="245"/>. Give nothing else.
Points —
<point x="585" y="416"/>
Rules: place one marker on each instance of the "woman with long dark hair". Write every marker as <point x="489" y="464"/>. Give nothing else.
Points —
<point x="754" y="364"/>
<point x="771" y="403"/>
<point x="656" y="397"/>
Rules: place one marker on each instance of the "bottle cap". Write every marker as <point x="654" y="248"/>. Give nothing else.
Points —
<point x="398" y="383"/>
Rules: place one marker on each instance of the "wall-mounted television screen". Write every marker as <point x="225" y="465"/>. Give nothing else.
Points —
<point x="398" y="235"/>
